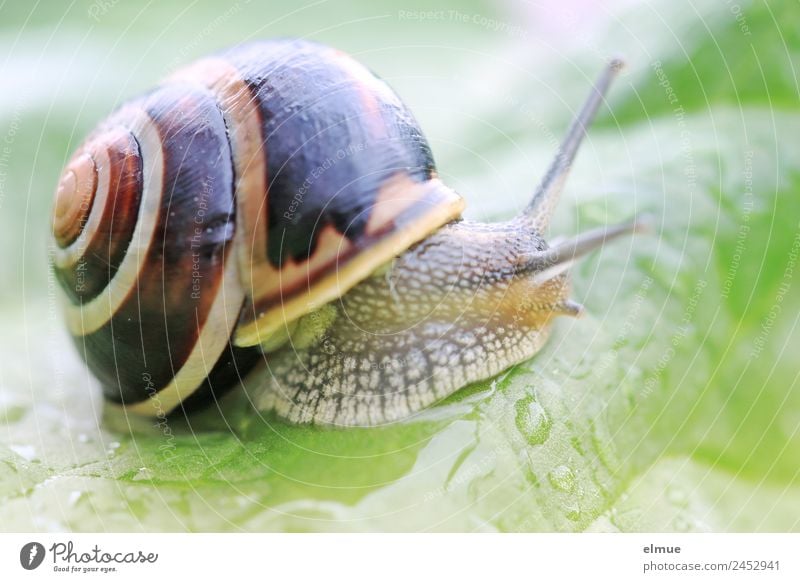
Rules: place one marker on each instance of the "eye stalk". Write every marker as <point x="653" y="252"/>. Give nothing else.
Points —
<point x="545" y="198"/>
<point x="558" y="258"/>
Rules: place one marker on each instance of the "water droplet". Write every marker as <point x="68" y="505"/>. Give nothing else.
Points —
<point x="12" y="414"/>
<point x="576" y="444"/>
<point x="83" y="438"/>
<point x="573" y="513"/>
<point x="143" y="474"/>
<point x="27" y="452"/>
<point x="74" y="497"/>
<point x="580" y="369"/>
<point x="682" y="525"/>
<point x="532" y="420"/>
<point x="562" y="478"/>
<point x="677" y="496"/>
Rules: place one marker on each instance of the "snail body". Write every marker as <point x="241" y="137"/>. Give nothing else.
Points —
<point x="280" y="202"/>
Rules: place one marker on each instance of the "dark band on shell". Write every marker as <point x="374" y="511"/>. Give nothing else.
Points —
<point x="248" y="190"/>
<point x="163" y="318"/>
<point x="349" y="175"/>
<point x="95" y="251"/>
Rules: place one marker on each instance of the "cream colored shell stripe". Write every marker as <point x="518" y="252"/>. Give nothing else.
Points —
<point x="92" y="315"/>
<point x="66" y="258"/>
<point x="244" y="128"/>
<point x="243" y="119"/>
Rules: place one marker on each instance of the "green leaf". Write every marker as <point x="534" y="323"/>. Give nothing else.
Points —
<point x="673" y="405"/>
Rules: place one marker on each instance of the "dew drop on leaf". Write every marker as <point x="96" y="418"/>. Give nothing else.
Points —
<point x="532" y="420"/>
<point x="74" y="498"/>
<point x="677" y="497"/>
<point x="573" y="513"/>
<point x="681" y="524"/>
<point x="143" y="474"/>
<point x="562" y="478"/>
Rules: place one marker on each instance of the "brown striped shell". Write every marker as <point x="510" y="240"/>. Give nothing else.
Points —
<point x="249" y="189"/>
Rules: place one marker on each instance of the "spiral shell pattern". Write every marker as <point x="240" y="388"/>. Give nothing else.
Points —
<point x="247" y="190"/>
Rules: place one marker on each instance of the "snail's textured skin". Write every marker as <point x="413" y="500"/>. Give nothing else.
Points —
<point x="457" y="308"/>
<point x="279" y="202"/>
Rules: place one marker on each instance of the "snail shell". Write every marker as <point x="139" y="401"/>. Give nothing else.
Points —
<point x="249" y="189"/>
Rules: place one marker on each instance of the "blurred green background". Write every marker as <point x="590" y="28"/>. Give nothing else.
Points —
<point x="674" y="406"/>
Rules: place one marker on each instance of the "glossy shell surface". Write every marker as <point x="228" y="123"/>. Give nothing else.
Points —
<point x="249" y="189"/>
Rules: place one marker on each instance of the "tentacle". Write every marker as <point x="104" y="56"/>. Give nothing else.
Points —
<point x="551" y="261"/>
<point x="544" y="200"/>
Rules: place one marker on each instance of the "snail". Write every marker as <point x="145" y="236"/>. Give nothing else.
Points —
<point x="279" y="202"/>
